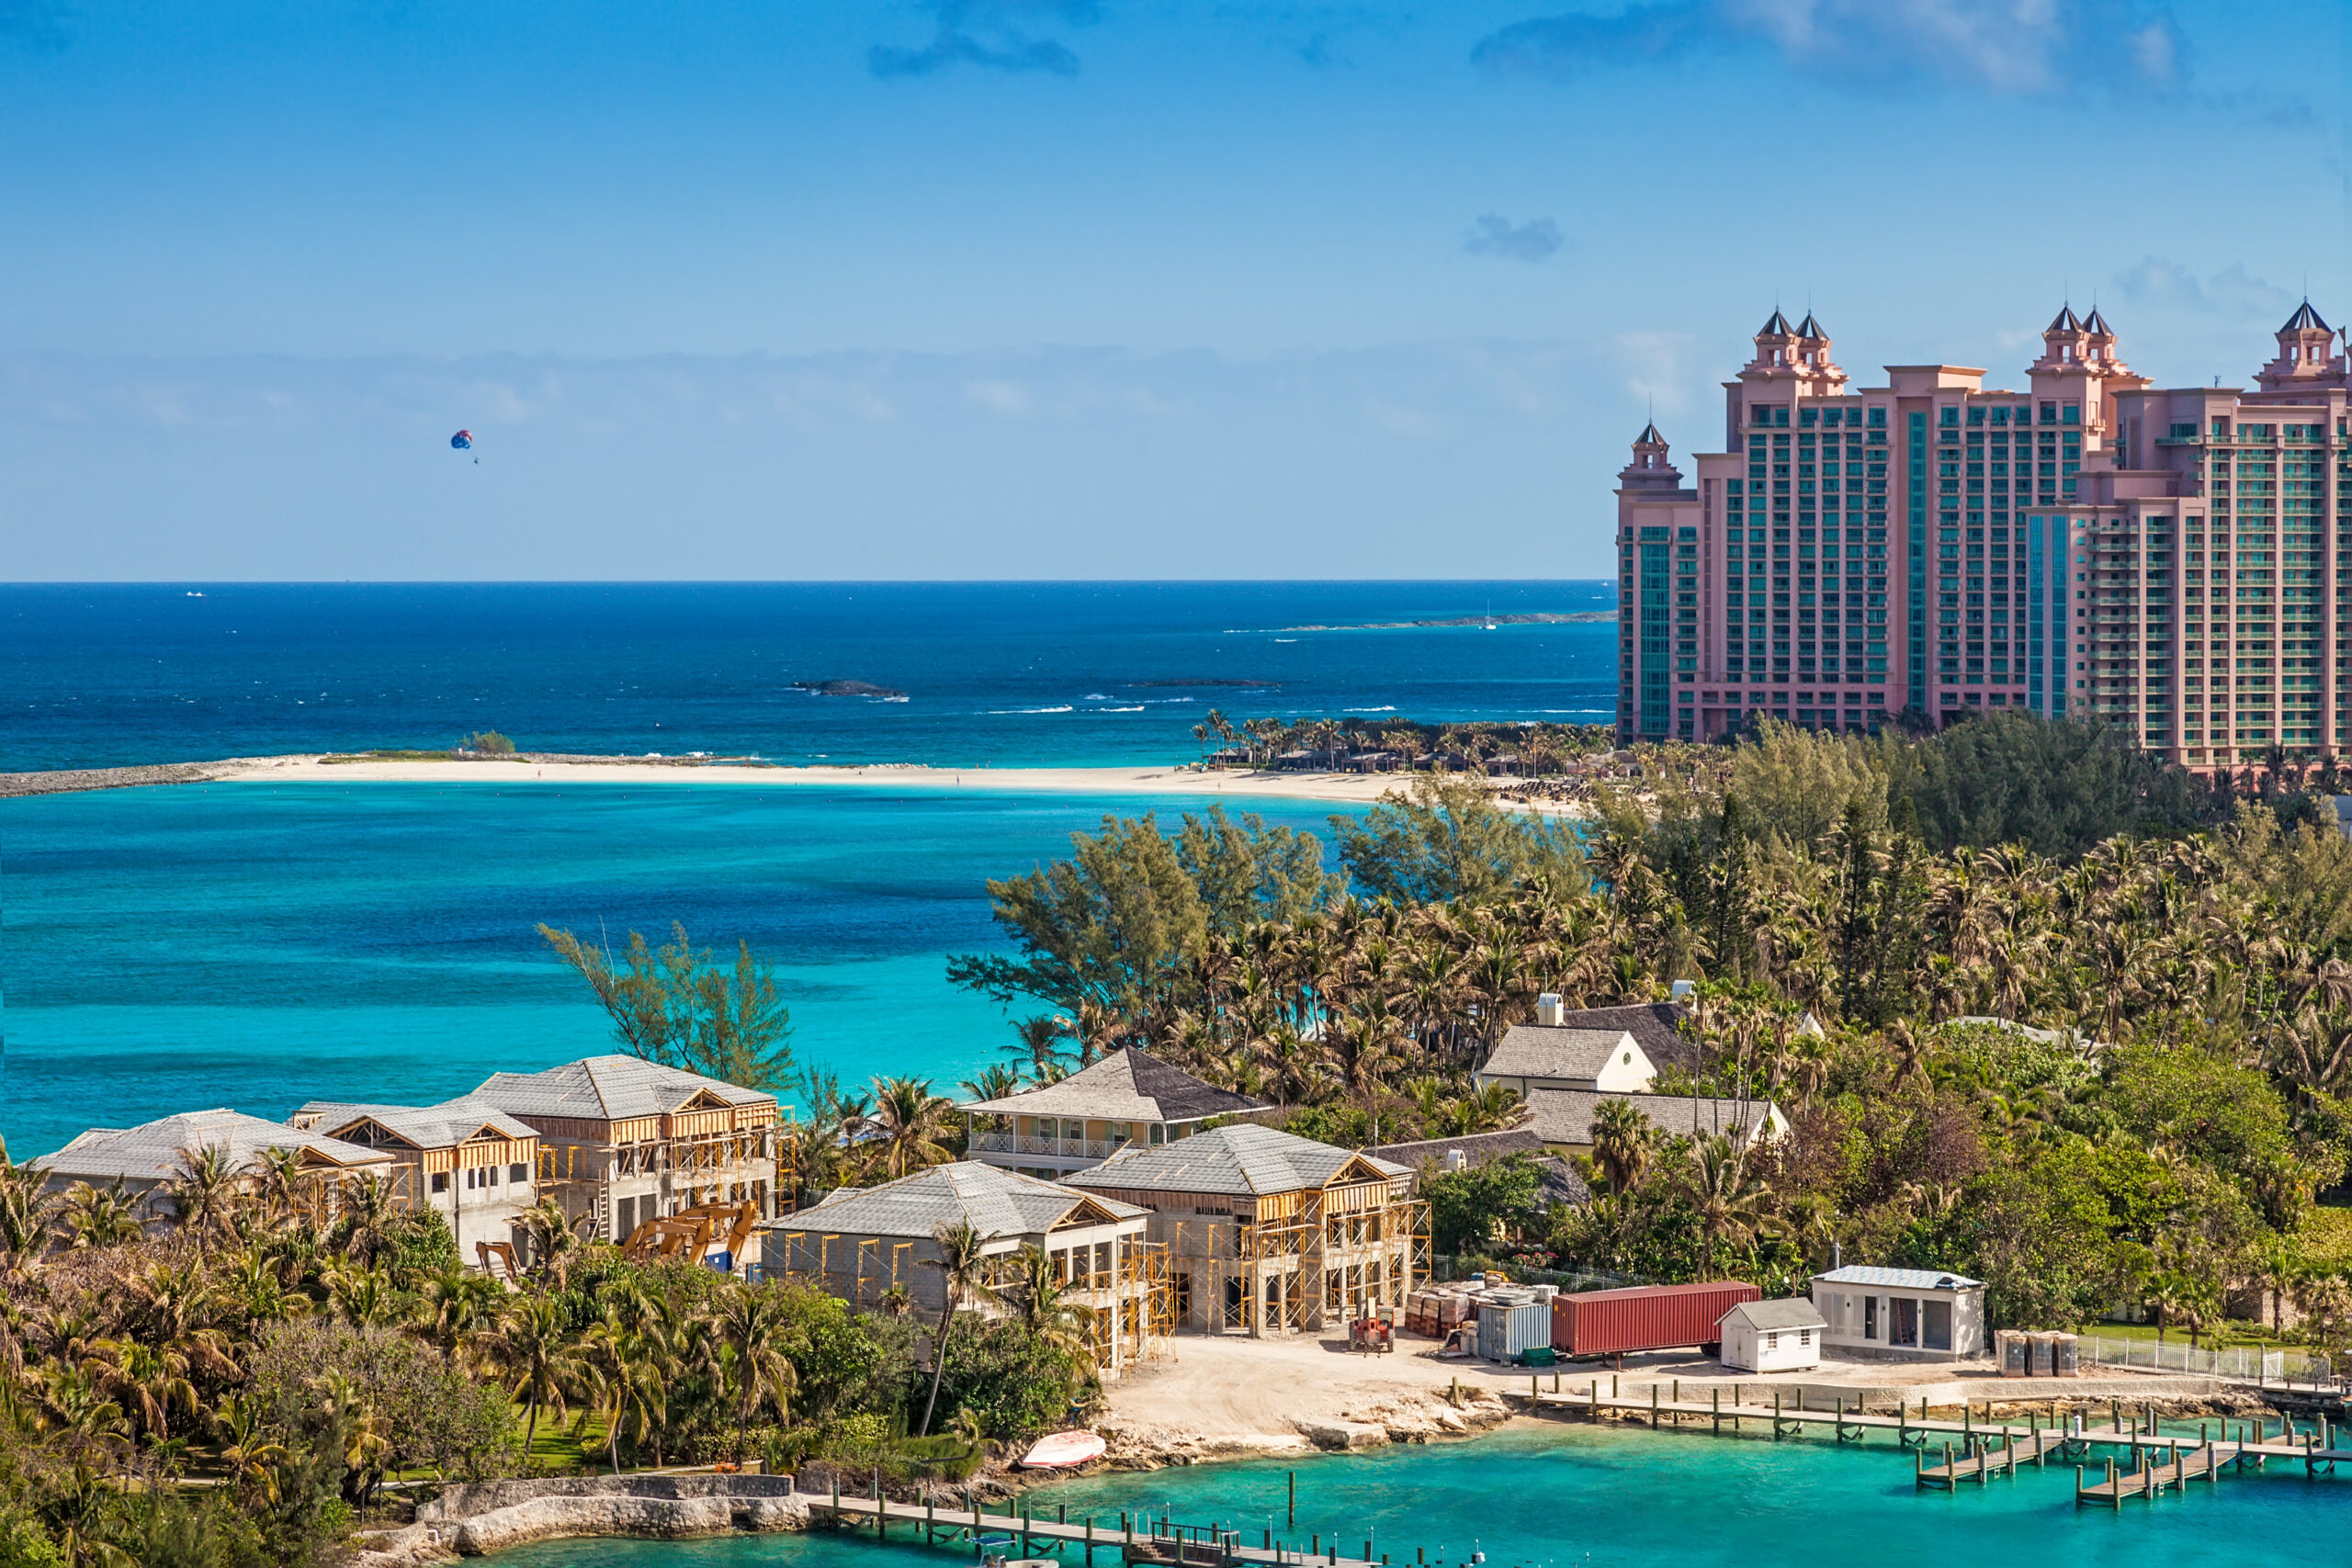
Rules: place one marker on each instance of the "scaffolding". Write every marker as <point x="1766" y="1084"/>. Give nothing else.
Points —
<point x="1127" y="1306"/>
<point x="1305" y="1261"/>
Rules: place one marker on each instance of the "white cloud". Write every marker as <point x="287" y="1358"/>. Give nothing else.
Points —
<point x="1010" y="399"/>
<point x="2232" y="291"/>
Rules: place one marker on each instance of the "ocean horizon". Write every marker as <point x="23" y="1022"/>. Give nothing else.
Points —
<point x="1003" y="674"/>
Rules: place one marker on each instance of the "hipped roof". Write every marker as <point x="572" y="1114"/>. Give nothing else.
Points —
<point x="152" y="1150"/>
<point x="999" y="1203"/>
<point x="1243" y="1160"/>
<point x="610" y="1089"/>
<point x="442" y="1126"/>
<point x="1125" y="1085"/>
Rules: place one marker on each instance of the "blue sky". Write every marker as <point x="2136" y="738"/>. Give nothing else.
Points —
<point x="1064" y="287"/>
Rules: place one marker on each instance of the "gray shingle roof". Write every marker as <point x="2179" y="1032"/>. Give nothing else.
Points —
<point x="1125" y="1086"/>
<point x="1557" y="1181"/>
<point x="1565" y="1115"/>
<point x="1897" y="1279"/>
<point x="1792" y="1312"/>
<point x="608" y="1089"/>
<point x="442" y="1126"/>
<point x="1240" y="1160"/>
<point x="1655" y="1026"/>
<point x="1537" y="1051"/>
<point x="151" y="1151"/>
<point x="999" y="1203"/>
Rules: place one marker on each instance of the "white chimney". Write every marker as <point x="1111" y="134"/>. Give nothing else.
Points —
<point x="1683" y="989"/>
<point x="1548" y="1012"/>
<point x="1456" y="1160"/>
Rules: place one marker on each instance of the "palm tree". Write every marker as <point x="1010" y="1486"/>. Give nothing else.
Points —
<point x="549" y="1236"/>
<point x="1622" y="1140"/>
<point x="960" y="1263"/>
<point x="1038" y="1294"/>
<point x="751" y="1324"/>
<point x="997" y="1081"/>
<point x="27" y="1211"/>
<point x="625" y="1370"/>
<point x="367" y="1212"/>
<point x="533" y="1351"/>
<point x="147" y="1381"/>
<point x="912" y="1121"/>
<point x="1039" y="1047"/>
<point x="101" y="1216"/>
<point x="452" y="1305"/>
<point x="1729" y="1197"/>
<point x="203" y="1191"/>
<point x="250" y="1455"/>
<point x="281" y="1180"/>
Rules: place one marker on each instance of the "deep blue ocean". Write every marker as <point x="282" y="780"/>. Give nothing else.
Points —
<point x="1038" y="673"/>
<point x="169" y="949"/>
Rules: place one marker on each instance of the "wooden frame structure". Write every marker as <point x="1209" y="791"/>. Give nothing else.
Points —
<point x="1306" y="1260"/>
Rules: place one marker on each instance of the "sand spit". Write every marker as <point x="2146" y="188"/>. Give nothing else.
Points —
<point x="1240" y="786"/>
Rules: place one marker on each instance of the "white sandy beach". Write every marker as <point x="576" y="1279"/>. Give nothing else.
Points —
<point x="1357" y="789"/>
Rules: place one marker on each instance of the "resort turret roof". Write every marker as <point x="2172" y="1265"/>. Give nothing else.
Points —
<point x="442" y="1126"/>
<point x="999" y="1203"/>
<point x="152" y="1151"/>
<point x="2304" y="320"/>
<point x="1125" y="1085"/>
<point x="1243" y="1160"/>
<point x="611" y="1088"/>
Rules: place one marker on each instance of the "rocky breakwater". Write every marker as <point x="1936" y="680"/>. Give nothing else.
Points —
<point x="492" y="1515"/>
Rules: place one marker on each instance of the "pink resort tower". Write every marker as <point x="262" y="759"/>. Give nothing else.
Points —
<point x="1930" y="546"/>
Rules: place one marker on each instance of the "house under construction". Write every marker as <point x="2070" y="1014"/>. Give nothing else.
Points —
<point x="874" y="1247"/>
<point x="1270" y="1233"/>
<point x="623" y="1141"/>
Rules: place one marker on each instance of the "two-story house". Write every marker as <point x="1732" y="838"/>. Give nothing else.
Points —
<point x="1127" y="1099"/>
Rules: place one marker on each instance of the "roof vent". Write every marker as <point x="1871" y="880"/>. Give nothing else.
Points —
<point x="1548" y="1010"/>
<point x="1456" y="1160"/>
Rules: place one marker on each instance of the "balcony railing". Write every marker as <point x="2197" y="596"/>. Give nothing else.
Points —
<point x="1060" y="1148"/>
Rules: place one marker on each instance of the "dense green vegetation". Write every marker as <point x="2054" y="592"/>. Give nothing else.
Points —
<point x="300" y="1353"/>
<point x="2187" y="952"/>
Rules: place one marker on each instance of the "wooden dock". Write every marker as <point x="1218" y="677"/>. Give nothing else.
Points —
<point x="1977" y="1448"/>
<point x="2147" y="1478"/>
<point x="1135" y="1538"/>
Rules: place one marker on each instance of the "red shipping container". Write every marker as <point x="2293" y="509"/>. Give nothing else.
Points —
<point x="1645" y="1317"/>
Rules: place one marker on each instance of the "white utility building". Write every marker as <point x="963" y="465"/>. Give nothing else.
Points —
<point x="1911" y="1315"/>
<point x="1773" y="1336"/>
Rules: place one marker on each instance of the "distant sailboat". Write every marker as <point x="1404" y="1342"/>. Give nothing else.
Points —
<point x="1490" y="614"/>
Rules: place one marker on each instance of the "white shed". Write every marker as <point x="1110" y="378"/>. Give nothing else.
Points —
<point x="1912" y="1314"/>
<point x="1773" y="1336"/>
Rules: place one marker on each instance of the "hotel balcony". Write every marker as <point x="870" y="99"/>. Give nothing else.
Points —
<point x="1055" y="1149"/>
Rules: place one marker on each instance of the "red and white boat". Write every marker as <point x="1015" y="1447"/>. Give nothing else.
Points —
<point x="1063" y="1449"/>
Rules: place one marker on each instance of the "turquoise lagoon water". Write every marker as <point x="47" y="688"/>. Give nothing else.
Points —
<point x="256" y="946"/>
<point x="1574" y="1497"/>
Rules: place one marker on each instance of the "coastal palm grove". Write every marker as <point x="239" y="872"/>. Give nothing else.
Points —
<point x="1866" y="922"/>
<point x="2157" y="1145"/>
<point x="290" y="1351"/>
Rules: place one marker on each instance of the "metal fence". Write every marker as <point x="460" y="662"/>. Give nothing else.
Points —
<point x="1448" y="1267"/>
<point x="2242" y="1363"/>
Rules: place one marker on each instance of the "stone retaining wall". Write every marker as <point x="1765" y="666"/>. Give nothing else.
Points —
<point x="493" y="1515"/>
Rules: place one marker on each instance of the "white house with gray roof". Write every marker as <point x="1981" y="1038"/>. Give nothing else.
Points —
<point x="1771" y="1336"/>
<point x="862" y="1244"/>
<point x="1534" y="1056"/>
<point x="1562" y="1118"/>
<point x="1127" y="1099"/>
<point x="1907" y="1314"/>
<point x="146" y="1157"/>
<point x="472" y="1162"/>
<point x="623" y="1140"/>
<point x="1268" y="1233"/>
